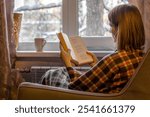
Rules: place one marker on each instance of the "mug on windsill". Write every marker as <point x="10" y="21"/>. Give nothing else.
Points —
<point x="39" y="43"/>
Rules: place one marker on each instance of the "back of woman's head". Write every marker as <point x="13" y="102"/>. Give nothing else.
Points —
<point x="127" y="21"/>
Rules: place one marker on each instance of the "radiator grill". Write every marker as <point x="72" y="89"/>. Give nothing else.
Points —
<point x="35" y="73"/>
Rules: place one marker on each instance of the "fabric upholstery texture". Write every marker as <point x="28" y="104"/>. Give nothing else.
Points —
<point x="4" y="53"/>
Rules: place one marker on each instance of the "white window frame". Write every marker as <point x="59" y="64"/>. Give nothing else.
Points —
<point x="70" y="27"/>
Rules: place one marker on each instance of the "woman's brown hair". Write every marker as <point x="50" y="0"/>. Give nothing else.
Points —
<point x="127" y="21"/>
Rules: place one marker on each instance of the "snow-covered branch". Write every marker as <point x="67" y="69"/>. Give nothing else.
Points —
<point x="38" y="7"/>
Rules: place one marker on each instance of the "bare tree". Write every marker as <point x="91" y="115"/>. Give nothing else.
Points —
<point x="95" y="10"/>
<point x="41" y="21"/>
<point x="38" y="17"/>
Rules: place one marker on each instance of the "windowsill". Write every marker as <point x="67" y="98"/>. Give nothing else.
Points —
<point x="37" y="54"/>
<point x="54" y="53"/>
<point x="101" y="46"/>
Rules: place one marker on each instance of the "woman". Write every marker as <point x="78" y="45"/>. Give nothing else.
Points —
<point x="111" y="73"/>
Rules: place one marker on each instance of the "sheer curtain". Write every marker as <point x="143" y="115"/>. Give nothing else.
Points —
<point x="5" y="65"/>
<point x="9" y="13"/>
<point x="9" y="78"/>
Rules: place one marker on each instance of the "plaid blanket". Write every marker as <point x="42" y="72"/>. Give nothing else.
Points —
<point x="56" y="77"/>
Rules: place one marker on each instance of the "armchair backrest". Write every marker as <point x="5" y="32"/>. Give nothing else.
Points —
<point x="139" y="85"/>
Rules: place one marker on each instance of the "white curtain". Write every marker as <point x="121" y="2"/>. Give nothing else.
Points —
<point x="9" y="78"/>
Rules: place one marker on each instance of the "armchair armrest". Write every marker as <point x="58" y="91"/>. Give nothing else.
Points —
<point x="32" y="91"/>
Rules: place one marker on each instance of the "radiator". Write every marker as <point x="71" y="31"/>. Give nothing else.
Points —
<point x="35" y="73"/>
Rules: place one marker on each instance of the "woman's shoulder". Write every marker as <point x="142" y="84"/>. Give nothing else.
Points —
<point x="112" y="55"/>
<point x="124" y="53"/>
<point x="111" y="58"/>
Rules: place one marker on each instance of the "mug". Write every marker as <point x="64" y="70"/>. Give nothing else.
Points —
<point x="39" y="43"/>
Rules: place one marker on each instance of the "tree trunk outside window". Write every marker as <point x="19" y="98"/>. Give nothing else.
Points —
<point x="95" y="22"/>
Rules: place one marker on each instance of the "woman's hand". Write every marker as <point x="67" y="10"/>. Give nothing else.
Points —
<point x="66" y="56"/>
<point x="95" y="59"/>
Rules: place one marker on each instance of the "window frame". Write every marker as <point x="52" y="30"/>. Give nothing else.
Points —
<point x="70" y="27"/>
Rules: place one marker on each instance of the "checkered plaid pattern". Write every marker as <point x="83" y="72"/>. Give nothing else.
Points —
<point x="109" y="75"/>
<point x="56" y="77"/>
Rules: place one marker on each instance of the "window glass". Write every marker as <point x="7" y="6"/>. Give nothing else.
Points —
<point x="93" y="15"/>
<point x="41" y="18"/>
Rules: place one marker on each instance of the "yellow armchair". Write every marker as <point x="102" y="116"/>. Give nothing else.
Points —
<point x="137" y="88"/>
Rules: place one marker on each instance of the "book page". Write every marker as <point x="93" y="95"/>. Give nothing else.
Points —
<point x="65" y="42"/>
<point x="80" y="50"/>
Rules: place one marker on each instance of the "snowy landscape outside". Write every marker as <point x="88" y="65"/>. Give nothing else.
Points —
<point x="43" y="18"/>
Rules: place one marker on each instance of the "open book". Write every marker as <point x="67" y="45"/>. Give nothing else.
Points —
<point x="77" y="47"/>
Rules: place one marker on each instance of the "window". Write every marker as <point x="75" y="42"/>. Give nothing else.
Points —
<point x="41" y="18"/>
<point x="93" y="16"/>
<point x="87" y="18"/>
